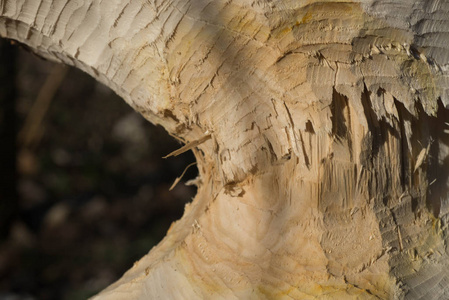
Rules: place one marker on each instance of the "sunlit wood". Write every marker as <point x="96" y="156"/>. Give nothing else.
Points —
<point x="319" y="129"/>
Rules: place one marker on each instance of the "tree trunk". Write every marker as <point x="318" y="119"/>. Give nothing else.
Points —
<point x="319" y="129"/>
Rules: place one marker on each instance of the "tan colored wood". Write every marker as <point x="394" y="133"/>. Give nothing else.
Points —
<point x="325" y="169"/>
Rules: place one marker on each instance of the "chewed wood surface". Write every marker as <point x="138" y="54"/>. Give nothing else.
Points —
<point x="319" y="128"/>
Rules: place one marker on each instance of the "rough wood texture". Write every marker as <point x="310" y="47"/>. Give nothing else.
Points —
<point x="319" y="128"/>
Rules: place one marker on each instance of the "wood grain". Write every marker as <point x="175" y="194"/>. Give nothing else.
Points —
<point x="313" y="181"/>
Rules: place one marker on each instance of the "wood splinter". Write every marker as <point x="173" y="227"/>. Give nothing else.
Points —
<point x="188" y="146"/>
<point x="178" y="179"/>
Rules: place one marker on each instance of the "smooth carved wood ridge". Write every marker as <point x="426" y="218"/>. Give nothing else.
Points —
<point x="319" y="130"/>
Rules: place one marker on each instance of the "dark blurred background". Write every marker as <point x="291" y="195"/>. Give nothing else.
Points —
<point x="84" y="192"/>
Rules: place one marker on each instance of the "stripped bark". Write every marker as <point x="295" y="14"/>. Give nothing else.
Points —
<point x="319" y="130"/>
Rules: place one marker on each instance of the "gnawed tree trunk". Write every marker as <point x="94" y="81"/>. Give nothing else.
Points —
<point x="319" y="129"/>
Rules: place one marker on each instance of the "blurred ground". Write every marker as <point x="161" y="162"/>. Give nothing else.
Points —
<point x="92" y="188"/>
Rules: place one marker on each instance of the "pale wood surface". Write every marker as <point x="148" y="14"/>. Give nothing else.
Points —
<point x="319" y="129"/>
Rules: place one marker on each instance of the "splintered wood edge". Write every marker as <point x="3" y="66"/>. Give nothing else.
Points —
<point x="188" y="146"/>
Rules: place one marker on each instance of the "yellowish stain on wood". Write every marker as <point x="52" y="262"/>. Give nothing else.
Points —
<point x="316" y="12"/>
